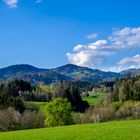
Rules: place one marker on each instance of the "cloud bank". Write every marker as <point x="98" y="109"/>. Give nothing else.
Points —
<point x="103" y="54"/>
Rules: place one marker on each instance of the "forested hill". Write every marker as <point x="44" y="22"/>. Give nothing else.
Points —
<point x="67" y="72"/>
<point x="131" y="72"/>
<point x="18" y="69"/>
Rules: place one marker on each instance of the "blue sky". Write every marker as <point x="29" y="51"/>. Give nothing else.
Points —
<point x="103" y="34"/>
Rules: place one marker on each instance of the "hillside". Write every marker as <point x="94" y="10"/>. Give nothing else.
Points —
<point x="31" y="74"/>
<point x="117" y="130"/>
<point x="131" y="72"/>
<point x="18" y="69"/>
<point x="85" y="74"/>
<point x="47" y="76"/>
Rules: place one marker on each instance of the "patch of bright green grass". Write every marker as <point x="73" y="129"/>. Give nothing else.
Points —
<point x="117" y="130"/>
<point x="94" y="98"/>
<point x="41" y="105"/>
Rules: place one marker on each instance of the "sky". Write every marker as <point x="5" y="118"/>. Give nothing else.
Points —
<point x="99" y="34"/>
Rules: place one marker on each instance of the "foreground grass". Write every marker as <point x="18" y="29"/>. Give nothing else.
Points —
<point x="117" y="130"/>
<point x="94" y="98"/>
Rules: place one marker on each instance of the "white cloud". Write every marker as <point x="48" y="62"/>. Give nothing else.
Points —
<point x="99" y="44"/>
<point x="125" y="38"/>
<point x="130" y="62"/>
<point x="92" y="36"/>
<point x="127" y="63"/>
<point x="79" y="47"/>
<point x="90" y="55"/>
<point x="135" y="60"/>
<point x="98" y="54"/>
<point x="11" y="3"/>
<point x="14" y="3"/>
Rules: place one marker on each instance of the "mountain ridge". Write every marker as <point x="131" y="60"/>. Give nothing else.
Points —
<point x="47" y="76"/>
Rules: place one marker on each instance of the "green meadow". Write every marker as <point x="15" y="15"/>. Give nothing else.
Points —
<point x="41" y="105"/>
<point x="94" y="98"/>
<point x="116" y="130"/>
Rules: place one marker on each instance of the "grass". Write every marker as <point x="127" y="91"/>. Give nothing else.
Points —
<point x="117" y="130"/>
<point x="40" y="105"/>
<point x="94" y="98"/>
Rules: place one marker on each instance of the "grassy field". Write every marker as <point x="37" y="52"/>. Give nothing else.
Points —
<point x="117" y="130"/>
<point x="94" y="98"/>
<point x="41" y="105"/>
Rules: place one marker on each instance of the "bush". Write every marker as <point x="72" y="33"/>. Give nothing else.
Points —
<point x="115" y="110"/>
<point x="32" y="120"/>
<point x="116" y="105"/>
<point x="88" y="116"/>
<point x="95" y="114"/>
<point x="78" y="118"/>
<point x="129" y="110"/>
<point x="102" y="114"/>
<point x="106" y="100"/>
<point x="123" y="113"/>
<point x="58" y="113"/>
<point x="9" y="119"/>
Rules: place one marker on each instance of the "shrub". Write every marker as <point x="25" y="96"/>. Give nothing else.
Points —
<point x="9" y="119"/>
<point x="58" y="113"/>
<point x="129" y="110"/>
<point x="32" y="119"/>
<point x="95" y="114"/>
<point x="88" y="116"/>
<point x="103" y="114"/>
<point x="78" y="118"/>
<point x="116" y="105"/>
<point x="123" y="113"/>
<point x="106" y="100"/>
